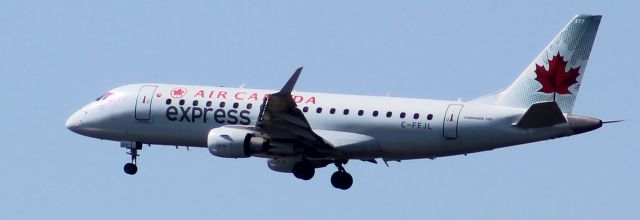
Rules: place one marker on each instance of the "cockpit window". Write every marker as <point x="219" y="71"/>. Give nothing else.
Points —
<point x="103" y="97"/>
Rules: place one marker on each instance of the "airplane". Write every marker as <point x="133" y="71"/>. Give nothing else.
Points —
<point x="298" y="132"/>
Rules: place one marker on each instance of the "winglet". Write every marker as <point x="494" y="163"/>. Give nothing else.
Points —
<point x="291" y="83"/>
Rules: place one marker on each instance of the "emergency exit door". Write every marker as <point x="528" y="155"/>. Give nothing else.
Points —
<point x="143" y="103"/>
<point x="450" y="128"/>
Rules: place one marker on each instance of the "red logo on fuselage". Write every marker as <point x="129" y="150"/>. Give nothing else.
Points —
<point x="177" y="93"/>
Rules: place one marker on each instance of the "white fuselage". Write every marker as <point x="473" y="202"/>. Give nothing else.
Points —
<point x="404" y="128"/>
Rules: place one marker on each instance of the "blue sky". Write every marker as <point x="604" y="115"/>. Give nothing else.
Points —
<point x="57" y="56"/>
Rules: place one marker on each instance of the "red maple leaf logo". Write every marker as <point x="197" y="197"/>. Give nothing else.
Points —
<point x="178" y="92"/>
<point x="556" y="79"/>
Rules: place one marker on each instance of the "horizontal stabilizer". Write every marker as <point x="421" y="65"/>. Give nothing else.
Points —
<point x="541" y="114"/>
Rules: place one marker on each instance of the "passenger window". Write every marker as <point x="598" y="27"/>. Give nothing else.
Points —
<point x="361" y="112"/>
<point x="168" y="102"/>
<point x="345" y="112"/>
<point x="332" y="111"/>
<point x="249" y="106"/>
<point x="221" y="104"/>
<point x="181" y="101"/>
<point x="429" y="116"/>
<point x="305" y="109"/>
<point x="319" y="110"/>
<point x="389" y="114"/>
<point x="375" y="113"/>
<point x="209" y="103"/>
<point x="416" y="116"/>
<point x="402" y="115"/>
<point x="195" y="102"/>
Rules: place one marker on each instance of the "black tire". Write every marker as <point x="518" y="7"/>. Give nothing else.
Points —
<point x="130" y="168"/>
<point x="341" y="180"/>
<point x="303" y="170"/>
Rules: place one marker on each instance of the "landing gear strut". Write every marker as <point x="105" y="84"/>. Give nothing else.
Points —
<point x="303" y="170"/>
<point x="131" y="168"/>
<point x="341" y="179"/>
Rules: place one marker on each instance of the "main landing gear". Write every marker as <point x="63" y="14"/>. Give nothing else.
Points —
<point x="131" y="168"/>
<point x="341" y="179"/>
<point x="305" y="170"/>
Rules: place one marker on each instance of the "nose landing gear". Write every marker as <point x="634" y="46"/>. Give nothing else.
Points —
<point x="131" y="168"/>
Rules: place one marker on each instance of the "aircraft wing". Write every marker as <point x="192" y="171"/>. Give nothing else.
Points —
<point x="282" y="121"/>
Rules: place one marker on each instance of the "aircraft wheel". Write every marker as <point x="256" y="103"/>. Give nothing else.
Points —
<point x="341" y="180"/>
<point x="303" y="170"/>
<point x="130" y="168"/>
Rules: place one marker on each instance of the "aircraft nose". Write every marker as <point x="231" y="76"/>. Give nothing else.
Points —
<point x="74" y="122"/>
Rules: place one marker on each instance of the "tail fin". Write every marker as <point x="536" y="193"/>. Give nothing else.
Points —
<point x="557" y="72"/>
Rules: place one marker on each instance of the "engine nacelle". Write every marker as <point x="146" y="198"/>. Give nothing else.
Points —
<point x="232" y="142"/>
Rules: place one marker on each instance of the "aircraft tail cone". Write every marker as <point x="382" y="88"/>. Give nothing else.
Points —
<point x="581" y="124"/>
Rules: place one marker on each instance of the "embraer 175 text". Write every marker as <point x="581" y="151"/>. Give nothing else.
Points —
<point x="298" y="132"/>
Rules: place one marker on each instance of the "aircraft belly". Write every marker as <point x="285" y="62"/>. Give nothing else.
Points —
<point x="400" y="144"/>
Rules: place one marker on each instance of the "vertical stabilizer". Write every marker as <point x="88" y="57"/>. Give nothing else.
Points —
<point x="556" y="73"/>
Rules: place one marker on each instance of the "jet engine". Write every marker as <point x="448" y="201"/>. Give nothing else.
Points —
<point x="233" y="142"/>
